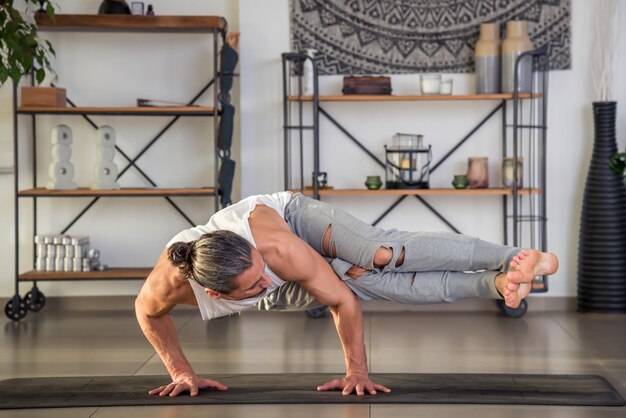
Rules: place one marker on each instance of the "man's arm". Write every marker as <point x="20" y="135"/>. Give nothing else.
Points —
<point x="158" y="296"/>
<point x="293" y="259"/>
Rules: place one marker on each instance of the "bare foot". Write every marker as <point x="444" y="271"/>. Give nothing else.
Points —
<point x="512" y="298"/>
<point x="512" y="293"/>
<point x="530" y="263"/>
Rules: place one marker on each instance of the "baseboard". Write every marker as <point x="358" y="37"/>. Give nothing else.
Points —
<point x="126" y="303"/>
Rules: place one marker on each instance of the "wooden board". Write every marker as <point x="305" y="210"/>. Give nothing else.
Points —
<point x="120" y="273"/>
<point x="123" y="192"/>
<point x="421" y="192"/>
<point x="412" y="98"/>
<point x="130" y="23"/>
<point x="120" y="111"/>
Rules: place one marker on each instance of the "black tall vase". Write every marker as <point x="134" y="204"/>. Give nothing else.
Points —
<point x="602" y="242"/>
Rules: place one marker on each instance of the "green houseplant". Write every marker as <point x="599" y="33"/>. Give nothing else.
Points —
<point x="618" y="164"/>
<point x="21" y="50"/>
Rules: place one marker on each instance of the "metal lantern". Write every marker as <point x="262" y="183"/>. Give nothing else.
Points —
<point x="407" y="162"/>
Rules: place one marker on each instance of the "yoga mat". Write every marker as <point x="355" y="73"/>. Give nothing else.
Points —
<point x="508" y="389"/>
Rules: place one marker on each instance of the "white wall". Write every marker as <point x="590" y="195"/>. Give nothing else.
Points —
<point x="570" y="137"/>
<point x="113" y="69"/>
<point x="101" y="69"/>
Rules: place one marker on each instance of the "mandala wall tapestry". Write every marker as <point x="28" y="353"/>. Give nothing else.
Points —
<point x="413" y="36"/>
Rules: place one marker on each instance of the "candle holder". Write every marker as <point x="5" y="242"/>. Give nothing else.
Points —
<point x="407" y="162"/>
<point x="507" y="172"/>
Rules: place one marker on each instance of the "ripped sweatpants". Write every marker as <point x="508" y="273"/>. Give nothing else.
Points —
<point x="425" y="267"/>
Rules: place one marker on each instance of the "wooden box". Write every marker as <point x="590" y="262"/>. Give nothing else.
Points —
<point x="366" y="85"/>
<point x="43" y="96"/>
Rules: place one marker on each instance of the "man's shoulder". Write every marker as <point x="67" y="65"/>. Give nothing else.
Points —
<point x="165" y="288"/>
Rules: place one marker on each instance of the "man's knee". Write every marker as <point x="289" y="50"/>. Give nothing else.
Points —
<point x="384" y="256"/>
<point x="328" y="245"/>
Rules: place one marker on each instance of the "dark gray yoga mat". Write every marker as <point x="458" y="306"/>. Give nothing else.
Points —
<point x="509" y="389"/>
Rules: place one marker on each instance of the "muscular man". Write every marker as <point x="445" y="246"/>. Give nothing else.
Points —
<point x="272" y="251"/>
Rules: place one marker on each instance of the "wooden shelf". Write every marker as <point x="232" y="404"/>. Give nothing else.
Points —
<point x="130" y="23"/>
<point x="119" y="111"/>
<point x="123" y="192"/>
<point x="391" y="98"/>
<point x="121" y="273"/>
<point x="421" y="192"/>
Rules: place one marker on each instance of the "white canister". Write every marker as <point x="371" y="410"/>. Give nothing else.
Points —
<point x="309" y="82"/>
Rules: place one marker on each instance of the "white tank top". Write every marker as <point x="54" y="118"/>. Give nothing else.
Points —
<point x="233" y="218"/>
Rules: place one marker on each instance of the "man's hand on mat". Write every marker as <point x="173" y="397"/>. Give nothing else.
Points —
<point x="354" y="383"/>
<point x="187" y="383"/>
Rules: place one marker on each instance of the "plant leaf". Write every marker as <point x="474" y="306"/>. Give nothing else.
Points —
<point x="4" y="74"/>
<point x="50" y="10"/>
<point x="40" y="74"/>
<point x="50" y="48"/>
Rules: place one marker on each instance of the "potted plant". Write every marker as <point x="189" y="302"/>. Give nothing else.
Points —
<point x="21" y="50"/>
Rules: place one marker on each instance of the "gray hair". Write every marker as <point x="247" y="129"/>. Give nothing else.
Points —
<point x="213" y="260"/>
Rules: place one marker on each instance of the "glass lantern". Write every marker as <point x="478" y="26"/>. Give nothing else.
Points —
<point x="407" y="162"/>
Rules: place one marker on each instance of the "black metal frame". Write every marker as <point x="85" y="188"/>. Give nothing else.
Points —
<point x="510" y="132"/>
<point x="132" y="162"/>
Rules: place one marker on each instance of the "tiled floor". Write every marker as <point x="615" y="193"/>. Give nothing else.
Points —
<point x="70" y="343"/>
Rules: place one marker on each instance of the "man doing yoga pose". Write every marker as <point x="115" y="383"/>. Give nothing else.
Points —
<point x="281" y="250"/>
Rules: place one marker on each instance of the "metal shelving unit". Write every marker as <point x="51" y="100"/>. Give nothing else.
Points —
<point x="17" y="307"/>
<point x="524" y="131"/>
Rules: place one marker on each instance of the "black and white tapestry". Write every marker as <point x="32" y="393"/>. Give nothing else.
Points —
<point x="413" y="36"/>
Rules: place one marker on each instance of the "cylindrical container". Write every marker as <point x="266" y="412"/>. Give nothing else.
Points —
<point x="69" y="251"/>
<point x="487" y="59"/>
<point x="446" y="86"/>
<point x="86" y="264"/>
<point x="68" y="264"/>
<point x="60" y="250"/>
<point x="602" y="238"/>
<point x="516" y="43"/>
<point x="508" y="172"/>
<point x="77" y="264"/>
<point x="42" y="250"/>
<point x="78" y="250"/>
<point x="430" y="83"/>
<point x="51" y="250"/>
<point x="478" y="172"/>
<point x="308" y="72"/>
<point x="50" y="263"/>
<point x="58" y="264"/>
<point x="40" y="264"/>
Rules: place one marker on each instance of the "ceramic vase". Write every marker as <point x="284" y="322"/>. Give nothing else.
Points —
<point x="460" y="181"/>
<point x="487" y="59"/>
<point x="602" y="240"/>
<point x="508" y="172"/>
<point x="114" y="7"/>
<point x="516" y="43"/>
<point x="373" y="182"/>
<point x="478" y="172"/>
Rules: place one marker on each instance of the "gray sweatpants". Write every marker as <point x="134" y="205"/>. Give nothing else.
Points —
<point x="437" y="267"/>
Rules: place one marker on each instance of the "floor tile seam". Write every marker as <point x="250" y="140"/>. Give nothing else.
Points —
<point x="580" y="343"/>
<point x="94" y="412"/>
